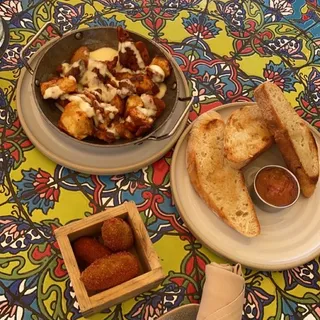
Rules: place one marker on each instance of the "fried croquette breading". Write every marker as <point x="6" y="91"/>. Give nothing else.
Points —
<point x="110" y="271"/>
<point x="88" y="249"/>
<point x="117" y="234"/>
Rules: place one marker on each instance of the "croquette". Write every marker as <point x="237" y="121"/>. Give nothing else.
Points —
<point x="110" y="271"/>
<point x="117" y="235"/>
<point x="88" y="249"/>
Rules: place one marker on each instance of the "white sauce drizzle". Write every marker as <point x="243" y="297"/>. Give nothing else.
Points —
<point x="120" y="69"/>
<point x="102" y="67"/>
<point x="158" y="74"/>
<point x="53" y="93"/>
<point x="109" y="107"/>
<point x="82" y="102"/>
<point x="72" y="78"/>
<point x="92" y="81"/>
<point x="128" y="44"/>
<point x="149" y="109"/>
<point x="80" y="87"/>
<point x="89" y="79"/>
<point x="103" y="54"/>
<point x="66" y="67"/>
<point x="162" y="91"/>
<point x="106" y="93"/>
<point x="100" y="118"/>
<point x="113" y="130"/>
<point x="124" y="92"/>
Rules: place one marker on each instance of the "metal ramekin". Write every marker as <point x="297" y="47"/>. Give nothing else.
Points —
<point x="264" y="205"/>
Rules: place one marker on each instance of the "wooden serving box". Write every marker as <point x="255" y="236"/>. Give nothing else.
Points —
<point x="151" y="273"/>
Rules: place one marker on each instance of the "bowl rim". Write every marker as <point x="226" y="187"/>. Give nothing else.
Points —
<point x="290" y="173"/>
<point x="126" y="143"/>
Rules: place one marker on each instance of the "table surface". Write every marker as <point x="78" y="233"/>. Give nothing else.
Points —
<point x="225" y="49"/>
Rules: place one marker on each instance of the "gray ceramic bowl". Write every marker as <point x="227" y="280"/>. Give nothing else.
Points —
<point x="264" y="205"/>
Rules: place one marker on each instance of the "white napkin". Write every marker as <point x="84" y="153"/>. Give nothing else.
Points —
<point x="223" y="293"/>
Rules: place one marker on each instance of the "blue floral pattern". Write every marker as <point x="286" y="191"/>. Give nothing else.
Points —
<point x="6" y="164"/>
<point x="68" y="16"/>
<point x="157" y="303"/>
<point x="201" y="25"/>
<point x="37" y="190"/>
<point x="233" y="12"/>
<point x="255" y="300"/>
<point x="306" y="275"/>
<point x="287" y="46"/>
<point x="106" y="22"/>
<point x="13" y="309"/>
<point x="17" y="235"/>
<point x="280" y="75"/>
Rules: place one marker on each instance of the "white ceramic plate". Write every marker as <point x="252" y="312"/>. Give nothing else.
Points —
<point x="288" y="238"/>
<point x="86" y="158"/>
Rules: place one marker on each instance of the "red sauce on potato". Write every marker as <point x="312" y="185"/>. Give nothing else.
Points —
<point x="276" y="186"/>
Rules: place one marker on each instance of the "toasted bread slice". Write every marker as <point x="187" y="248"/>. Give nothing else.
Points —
<point x="246" y="136"/>
<point x="292" y="135"/>
<point x="221" y="187"/>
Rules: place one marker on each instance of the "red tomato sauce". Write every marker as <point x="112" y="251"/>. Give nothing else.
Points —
<point x="276" y="186"/>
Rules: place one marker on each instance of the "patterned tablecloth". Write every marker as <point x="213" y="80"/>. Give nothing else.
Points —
<point x="225" y="49"/>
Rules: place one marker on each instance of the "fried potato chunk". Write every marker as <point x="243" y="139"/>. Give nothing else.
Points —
<point x="117" y="234"/>
<point x="75" y="70"/>
<point x="163" y="63"/>
<point x="111" y="65"/>
<point x="88" y="249"/>
<point x="118" y="103"/>
<point x="81" y="53"/>
<point x="104" y="114"/>
<point x="132" y="55"/>
<point x="110" y="271"/>
<point x="139" y="118"/>
<point x="160" y="105"/>
<point x="123" y="35"/>
<point x="123" y="131"/>
<point x="58" y="87"/>
<point x="101" y="133"/>
<point x="143" y="52"/>
<point x="75" y="122"/>
<point x="111" y="133"/>
<point x="123" y="75"/>
<point x="144" y="84"/>
<point x="136" y="121"/>
<point x="133" y="101"/>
